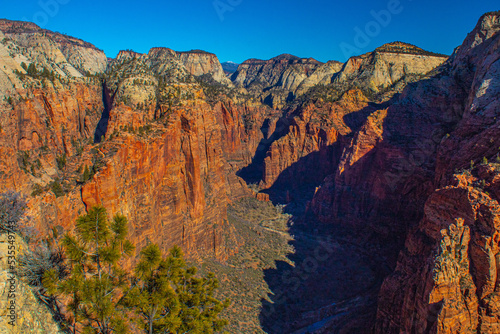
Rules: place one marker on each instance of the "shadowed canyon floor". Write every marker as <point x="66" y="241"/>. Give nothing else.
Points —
<point x="289" y="278"/>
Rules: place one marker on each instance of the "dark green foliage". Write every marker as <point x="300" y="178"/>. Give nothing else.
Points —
<point x="26" y="164"/>
<point x="86" y="175"/>
<point x="56" y="188"/>
<point x="47" y="74"/>
<point x="144" y="130"/>
<point x="406" y="48"/>
<point x="23" y="160"/>
<point x="61" y="161"/>
<point x="152" y="297"/>
<point x="19" y="74"/>
<point x="484" y="161"/>
<point x="95" y="281"/>
<point x="98" y="163"/>
<point x="214" y="91"/>
<point x="37" y="190"/>
<point x="100" y="297"/>
<point x="32" y="71"/>
<point x="327" y="93"/>
<point x="36" y="261"/>
<point x="78" y="146"/>
<point x="248" y="122"/>
<point x="170" y="299"/>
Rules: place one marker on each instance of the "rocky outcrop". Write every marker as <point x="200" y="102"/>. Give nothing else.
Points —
<point x="285" y="71"/>
<point x="65" y="55"/>
<point x="323" y="75"/>
<point x="274" y="81"/>
<point x="172" y="146"/>
<point x="199" y="62"/>
<point x="446" y="276"/>
<point x="390" y="158"/>
<point x="41" y="126"/>
<point x="309" y="139"/>
<point x="448" y="266"/>
<point x="171" y="183"/>
<point x="314" y="130"/>
<point x="389" y="64"/>
<point x="166" y="159"/>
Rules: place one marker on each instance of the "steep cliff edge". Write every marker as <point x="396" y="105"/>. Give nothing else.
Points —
<point x="199" y="62"/>
<point x="387" y="66"/>
<point x="393" y="155"/>
<point x="326" y="113"/>
<point x="164" y="157"/>
<point x="64" y="54"/>
<point x="445" y="280"/>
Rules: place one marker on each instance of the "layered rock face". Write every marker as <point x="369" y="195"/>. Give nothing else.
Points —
<point x="337" y="111"/>
<point x="164" y="146"/>
<point x="323" y="75"/>
<point x="445" y="281"/>
<point x="387" y="66"/>
<point x="275" y="81"/>
<point x="67" y="56"/>
<point x="163" y="156"/>
<point x="199" y="62"/>
<point x="195" y="62"/>
<point x="392" y="164"/>
<point x="310" y="138"/>
<point x="401" y="173"/>
<point x="46" y="112"/>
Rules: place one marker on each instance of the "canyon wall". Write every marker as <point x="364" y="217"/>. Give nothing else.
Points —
<point x="144" y="143"/>
<point x="446" y="279"/>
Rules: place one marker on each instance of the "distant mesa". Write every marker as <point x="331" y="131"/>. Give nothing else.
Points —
<point x="197" y="51"/>
<point x="406" y="48"/>
<point x="283" y="58"/>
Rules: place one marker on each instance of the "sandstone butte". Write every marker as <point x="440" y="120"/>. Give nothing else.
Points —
<point x="390" y="135"/>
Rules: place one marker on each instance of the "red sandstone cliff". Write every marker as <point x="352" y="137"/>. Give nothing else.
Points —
<point x="446" y="279"/>
<point x="166" y="158"/>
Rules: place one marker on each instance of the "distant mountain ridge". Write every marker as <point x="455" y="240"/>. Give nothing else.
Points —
<point x="229" y="67"/>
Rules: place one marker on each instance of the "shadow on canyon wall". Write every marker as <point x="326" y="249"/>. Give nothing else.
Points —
<point x="340" y="264"/>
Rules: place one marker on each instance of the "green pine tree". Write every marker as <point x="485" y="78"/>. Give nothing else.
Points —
<point x="94" y="287"/>
<point x="199" y="308"/>
<point x="86" y="174"/>
<point x="170" y="299"/>
<point x="152" y="296"/>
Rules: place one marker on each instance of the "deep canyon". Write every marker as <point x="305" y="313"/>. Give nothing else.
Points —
<point x="356" y="197"/>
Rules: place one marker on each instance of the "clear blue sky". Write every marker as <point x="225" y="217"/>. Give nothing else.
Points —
<point x="240" y="29"/>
